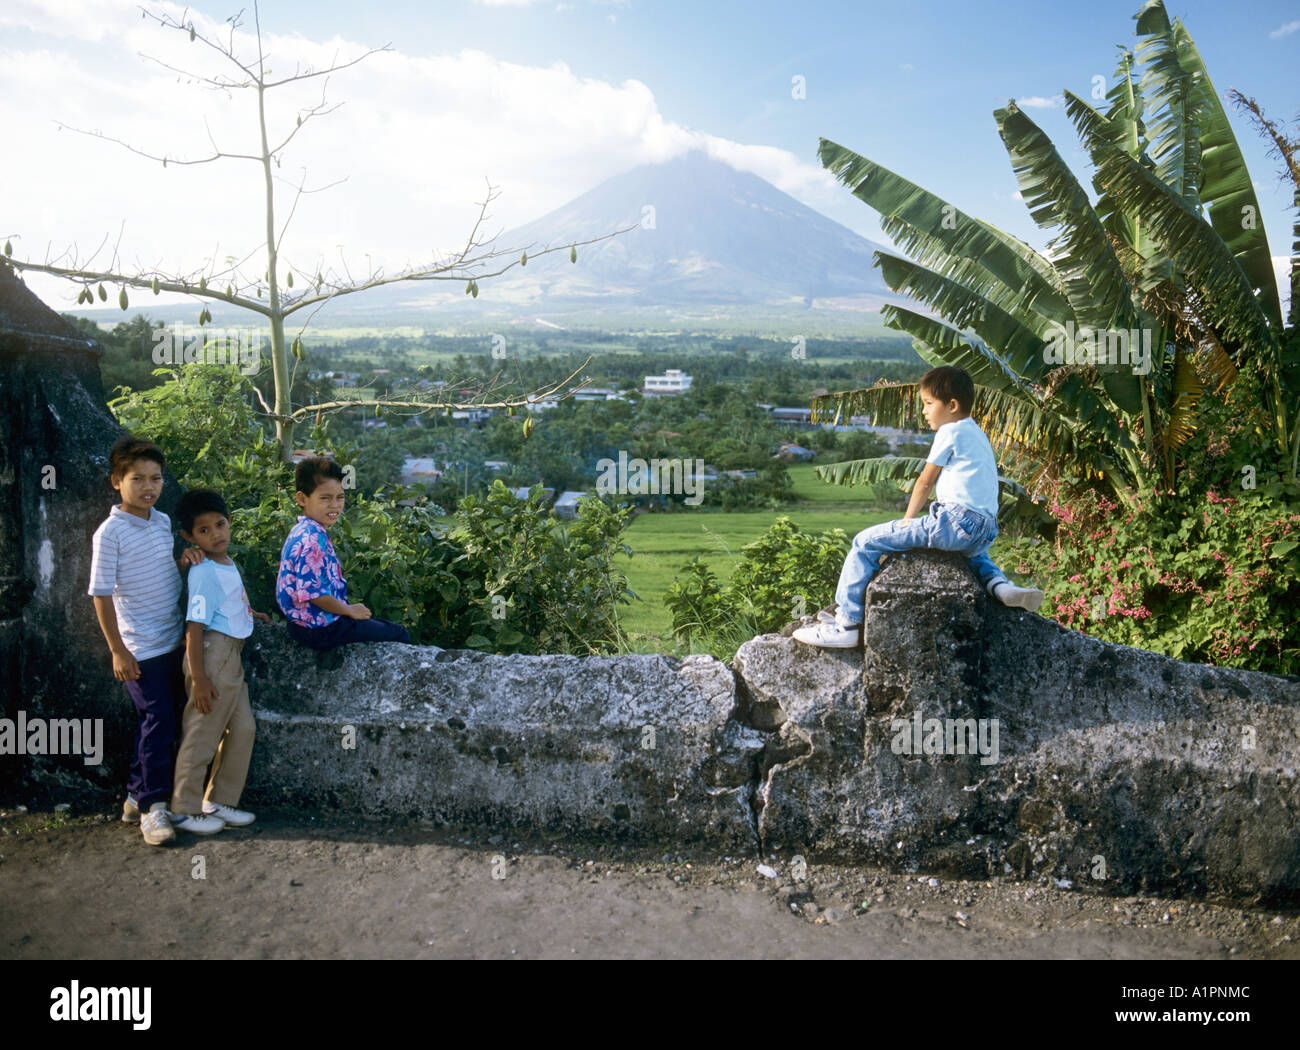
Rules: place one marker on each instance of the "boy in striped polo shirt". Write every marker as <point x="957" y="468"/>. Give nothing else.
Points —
<point x="137" y="588"/>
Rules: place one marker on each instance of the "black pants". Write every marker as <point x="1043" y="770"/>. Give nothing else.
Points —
<point x="346" y="630"/>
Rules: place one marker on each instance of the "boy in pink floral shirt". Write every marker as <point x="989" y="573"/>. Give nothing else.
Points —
<point x="310" y="588"/>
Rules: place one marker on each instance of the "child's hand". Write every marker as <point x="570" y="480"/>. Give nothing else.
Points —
<point x="260" y="616"/>
<point x="358" y="612"/>
<point x="191" y="556"/>
<point x="125" y="668"/>
<point x="204" y="695"/>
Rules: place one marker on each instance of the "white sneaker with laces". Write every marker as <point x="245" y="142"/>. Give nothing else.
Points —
<point x="198" y="823"/>
<point x="830" y="635"/>
<point x="236" y="818"/>
<point x="156" y="825"/>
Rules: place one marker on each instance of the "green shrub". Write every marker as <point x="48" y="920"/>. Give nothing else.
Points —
<point x="782" y="575"/>
<point x="1206" y="577"/>
<point x="536" y="584"/>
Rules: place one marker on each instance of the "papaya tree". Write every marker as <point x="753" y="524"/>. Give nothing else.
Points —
<point x="1095" y="359"/>
<point x="285" y="291"/>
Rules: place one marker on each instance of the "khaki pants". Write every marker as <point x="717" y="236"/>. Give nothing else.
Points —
<point x="223" y="737"/>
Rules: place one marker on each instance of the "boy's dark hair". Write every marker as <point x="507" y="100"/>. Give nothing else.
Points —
<point x="127" y="449"/>
<point x="312" y="470"/>
<point x="948" y="383"/>
<point x="199" y="501"/>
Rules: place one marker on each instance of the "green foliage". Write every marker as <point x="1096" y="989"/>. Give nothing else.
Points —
<point x="783" y="574"/>
<point x="1207" y="571"/>
<point x="1212" y="579"/>
<point x="398" y="562"/>
<point x="200" y="419"/>
<point x="534" y="584"/>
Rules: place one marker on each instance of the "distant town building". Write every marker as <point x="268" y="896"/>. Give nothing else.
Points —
<point x="792" y="415"/>
<point x="673" y="381"/>
<point x="790" y="453"/>
<point x="522" y="493"/>
<point x="541" y="404"/>
<point x="894" y="436"/>
<point x="495" y="464"/>
<point x="419" y="471"/>
<point x="567" y="505"/>
<point x="598" y="393"/>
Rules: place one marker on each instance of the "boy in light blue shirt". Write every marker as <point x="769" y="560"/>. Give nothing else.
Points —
<point x="217" y="726"/>
<point x="963" y="471"/>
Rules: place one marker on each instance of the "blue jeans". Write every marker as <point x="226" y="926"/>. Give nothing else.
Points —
<point x="346" y="630"/>
<point x="948" y="527"/>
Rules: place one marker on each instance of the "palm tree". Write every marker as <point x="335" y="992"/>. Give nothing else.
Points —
<point x="1173" y="253"/>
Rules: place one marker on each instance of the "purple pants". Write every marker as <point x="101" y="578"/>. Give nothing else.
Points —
<point x="157" y="694"/>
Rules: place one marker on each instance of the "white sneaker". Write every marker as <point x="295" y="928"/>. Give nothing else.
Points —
<point x="198" y="824"/>
<point x="130" y="811"/>
<point x="155" y="826"/>
<point x="830" y="635"/>
<point x="1029" y="598"/>
<point x="236" y="818"/>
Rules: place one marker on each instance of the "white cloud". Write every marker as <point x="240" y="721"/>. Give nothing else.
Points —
<point x="1283" y="30"/>
<point x="415" y="139"/>
<point x="1282" y="272"/>
<point x="79" y="19"/>
<point x="906" y="67"/>
<point x="1038" y="102"/>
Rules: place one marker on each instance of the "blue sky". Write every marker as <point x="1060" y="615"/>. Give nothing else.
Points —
<point x="913" y="86"/>
<point x="547" y="99"/>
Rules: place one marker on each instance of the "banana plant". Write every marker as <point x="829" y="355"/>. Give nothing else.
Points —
<point x="1169" y="272"/>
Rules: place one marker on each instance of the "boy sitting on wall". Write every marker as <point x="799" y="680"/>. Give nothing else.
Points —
<point x="310" y="588"/>
<point x="962" y="470"/>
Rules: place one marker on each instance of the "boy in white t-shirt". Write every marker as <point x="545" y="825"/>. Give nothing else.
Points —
<point x="963" y="471"/>
<point x="136" y="587"/>
<point x="217" y="725"/>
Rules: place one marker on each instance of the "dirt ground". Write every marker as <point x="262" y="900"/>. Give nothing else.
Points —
<point x="287" y="887"/>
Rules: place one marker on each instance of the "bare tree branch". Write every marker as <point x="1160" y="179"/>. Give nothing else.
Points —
<point x="556" y="391"/>
<point x="218" y="155"/>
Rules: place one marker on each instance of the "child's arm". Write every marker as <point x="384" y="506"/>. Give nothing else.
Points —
<point x="203" y="692"/>
<point x="332" y="605"/>
<point x="125" y="668"/>
<point x="189" y="556"/>
<point x="921" y="490"/>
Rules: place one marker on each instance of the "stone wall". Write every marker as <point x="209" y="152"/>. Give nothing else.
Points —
<point x="1114" y="768"/>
